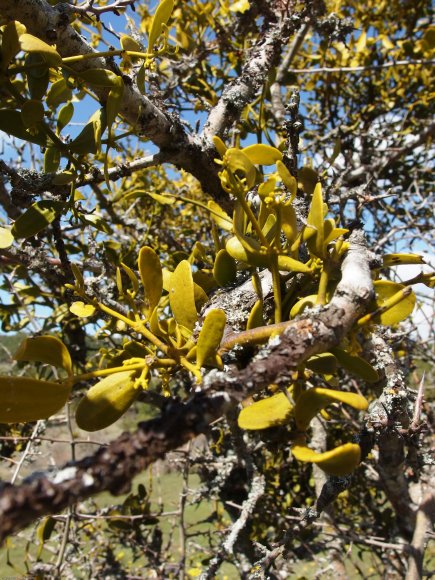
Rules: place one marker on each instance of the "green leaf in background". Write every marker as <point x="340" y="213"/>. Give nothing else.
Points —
<point x="24" y="399"/>
<point x="11" y="123"/>
<point x="36" y="218"/>
<point x="261" y="154"/>
<point x="271" y="412"/>
<point x="339" y="461"/>
<point x="6" y="238"/>
<point x="310" y="402"/>
<point x="160" y="18"/>
<point x="356" y="365"/>
<point x="224" y="268"/>
<point x="10" y="45"/>
<point x="30" y="43"/>
<point x="81" y="309"/>
<point x="46" y="349"/>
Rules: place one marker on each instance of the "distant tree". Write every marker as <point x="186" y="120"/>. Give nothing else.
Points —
<point x="202" y="206"/>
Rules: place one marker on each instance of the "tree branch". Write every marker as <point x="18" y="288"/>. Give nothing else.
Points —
<point x="242" y="90"/>
<point x="167" y="132"/>
<point x="113" y="468"/>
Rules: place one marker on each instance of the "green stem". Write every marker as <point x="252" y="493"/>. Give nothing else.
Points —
<point x="323" y="284"/>
<point x="276" y="288"/>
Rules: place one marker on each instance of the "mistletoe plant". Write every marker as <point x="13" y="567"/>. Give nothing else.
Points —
<point x="167" y="333"/>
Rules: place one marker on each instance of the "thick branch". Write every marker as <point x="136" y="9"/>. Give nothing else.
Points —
<point x="244" y="88"/>
<point x="113" y="468"/>
<point x="52" y="24"/>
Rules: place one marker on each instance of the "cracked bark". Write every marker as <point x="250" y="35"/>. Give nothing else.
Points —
<point x="113" y="467"/>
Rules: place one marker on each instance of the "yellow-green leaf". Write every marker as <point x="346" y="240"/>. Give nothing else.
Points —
<point x="151" y="275"/>
<point x="289" y="224"/>
<point x="312" y="401"/>
<point x="106" y="401"/>
<point x="287" y="178"/>
<point x="291" y="265"/>
<point x="32" y="113"/>
<point x="6" y="238"/>
<point x="261" y="154"/>
<point x="87" y="141"/>
<point x="81" y="309"/>
<point x="399" y="299"/>
<point x="100" y="77"/>
<point x="237" y="161"/>
<point x="389" y="260"/>
<point x="339" y="461"/>
<point x="210" y="337"/>
<point x="240" y="6"/>
<point x="46" y="349"/>
<point x="30" y="43"/>
<point x="224" y="268"/>
<point x="246" y="250"/>
<point x="221" y="218"/>
<point x="220" y="145"/>
<point x="129" y="43"/>
<point x="271" y="412"/>
<point x="11" y="123"/>
<point x="356" y="365"/>
<point x="10" y="45"/>
<point x="255" y="318"/>
<point x="315" y="219"/>
<point x="182" y="295"/>
<point x="59" y="92"/>
<point x="37" y="217"/>
<point x="160" y="18"/>
<point x="24" y="399"/>
<point x="308" y="178"/>
<point x="305" y="302"/>
<point x="51" y="159"/>
<point x="324" y="363"/>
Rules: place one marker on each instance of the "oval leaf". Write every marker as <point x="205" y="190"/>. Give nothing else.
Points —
<point x="339" y="461"/>
<point x="271" y="412"/>
<point x="225" y="268"/>
<point x="210" y="337"/>
<point x="161" y="17"/>
<point x="288" y="180"/>
<point x="312" y="401"/>
<point x="6" y="238"/>
<point x="106" y="401"/>
<point x="151" y="275"/>
<point x="385" y="290"/>
<point x="262" y="154"/>
<point x="45" y="349"/>
<point x="324" y="363"/>
<point x="356" y="365"/>
<point x="30" y="43"/>
<point x="36" y="218"/>
<point x="24" y="399"/>
<point x="81" y="309"/>
<point x="182" y="295"/>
